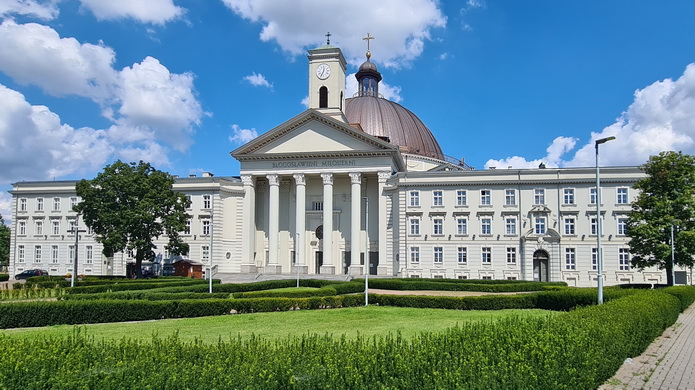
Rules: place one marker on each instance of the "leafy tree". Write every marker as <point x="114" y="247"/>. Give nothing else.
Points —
<point x="667" y="198"/>
<point x="4" y="242"/>
<point x="129" y="205"/>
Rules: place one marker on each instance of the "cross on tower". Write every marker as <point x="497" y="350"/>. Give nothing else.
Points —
<point x="328" y="38"/>
<point x="368" y="38"/>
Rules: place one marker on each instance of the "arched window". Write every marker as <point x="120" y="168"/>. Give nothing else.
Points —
<point x="323" y="97"/>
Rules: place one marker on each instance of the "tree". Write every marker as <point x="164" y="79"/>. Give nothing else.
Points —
<point x="129" y="205"/>
<point x="4" y="242"/>
<point x="666" y="199"/>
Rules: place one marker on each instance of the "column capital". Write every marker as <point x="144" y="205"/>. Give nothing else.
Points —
<point x="299" y="179"/>
<point x="355" y="177"/>
<point x="327" y="178"/>
<point x="383" y="176"/>
<point x="247" y="180"/>
<point x="273" y="179"/>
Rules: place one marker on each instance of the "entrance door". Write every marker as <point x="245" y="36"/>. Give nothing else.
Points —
<point x="347" y="261"/>
<point x="373" y="262"/>
<point x="319" y="261"/>
<point x="540" y="266"/>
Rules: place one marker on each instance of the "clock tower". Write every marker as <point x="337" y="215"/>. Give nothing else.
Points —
<point x="327" y="68"/>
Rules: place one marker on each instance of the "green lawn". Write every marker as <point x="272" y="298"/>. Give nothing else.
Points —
<point x="367" y="321"/>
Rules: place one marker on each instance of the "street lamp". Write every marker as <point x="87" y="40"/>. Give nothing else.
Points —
<point x="599" y="259"/>
<point x="366" y="251"/>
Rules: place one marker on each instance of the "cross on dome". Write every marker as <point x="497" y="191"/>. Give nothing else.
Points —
<point x="368" y="38"/>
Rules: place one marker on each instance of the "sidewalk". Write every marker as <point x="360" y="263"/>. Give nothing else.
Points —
<point x="666" y="364"/>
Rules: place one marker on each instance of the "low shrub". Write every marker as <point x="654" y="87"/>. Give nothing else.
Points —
<point x="490" y="302"/>
<point x="685" y="294"/>
<point x="319" y="292"/>
<point x="4" y="277"/>
<point x="142" y="284"/>
<point x="144" y="294"/>
<point x="457" y="285"/>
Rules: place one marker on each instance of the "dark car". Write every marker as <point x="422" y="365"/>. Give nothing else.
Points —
<point x="29" y="273"/>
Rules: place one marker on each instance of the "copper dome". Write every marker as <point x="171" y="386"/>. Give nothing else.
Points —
<point x="389" y="120"/>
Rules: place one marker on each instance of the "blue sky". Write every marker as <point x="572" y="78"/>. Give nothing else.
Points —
<point x="181" y="83"/>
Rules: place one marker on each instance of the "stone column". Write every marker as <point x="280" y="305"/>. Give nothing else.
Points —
<point x="300" y="223"/>
<point x="355" y="214"/>
<point x="383" y="214"/>
<point x="328" y="265"/>
<point x="248" y="234"/>
<point x="273" y="223"/>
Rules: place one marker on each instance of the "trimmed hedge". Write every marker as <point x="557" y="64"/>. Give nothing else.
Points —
<point x="459" y="285"/>
<point x="143" y="284"/>
<point x="685" y="294"/>
<point x="324" y="291"/>
<point x="4" y="277"/>
<point x="492" y="302"/>
<point x="144" y="294"/>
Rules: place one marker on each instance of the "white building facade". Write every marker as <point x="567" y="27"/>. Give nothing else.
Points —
<point x="361" y="179"/>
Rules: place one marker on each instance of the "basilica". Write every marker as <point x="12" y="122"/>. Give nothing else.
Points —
<point x="359" y="184"/>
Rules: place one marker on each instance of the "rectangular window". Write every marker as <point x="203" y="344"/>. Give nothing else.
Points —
<point x="317" y="206"/>
<point x="486" y="255"/>
<point x="622" y="226"/>
<point x="510" y="197"/>
<point x="540" y="225"/>
<point x="56" y="204"/>
<point x="461" y="198"/>
<point x="486" y="278"/>
<point x="21" y="254"/>
<point x="510" y="225"/>
<point x="89" y="255"/>
<point x="570" y="259"/>
<point x="622" y="195"/>
<point x="437" y="198"/>
<point x="55" y="227"/>
<point x="415" y="254"/>
<point x="568" y="196"/>
<point x="414" y="227"/>
<point x="73" y="202"/>
<point x="462" y="255"/>
<point x="71" y="254"/>
<point x="511" y="255"/>
<point x="438" y="255"/>
<point x="190" y="202"/>
<point x="206" y="228"/>
<point x="486" y="226"/>
<point x="414" y="198"/>
<point x="37" y="253"/>
<point x="54" y="254"/>
<point x="592" y="196"/>
<point x="594" y="228"/>
<point x="23" y="204"/>
<point x="485" y="198"/>
<point x="594" y="259"/>
<point x="39" y="228"/>
<point x="624" y="259"/>
<point x="539" y="196"/>
<point x="207" y="201"/>
<point x="461" y="226"/>
<point x="72" y="226"/>
<point x="188" y="227"/>
<point x="570" y="226"/>
<point x="437" y="226"/>
<point x="205" y="251"/>
<point x="22" y="228"/>
<point x="39" y="204"/>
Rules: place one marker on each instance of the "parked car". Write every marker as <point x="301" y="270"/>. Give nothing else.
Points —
<point x="29" y="273"/>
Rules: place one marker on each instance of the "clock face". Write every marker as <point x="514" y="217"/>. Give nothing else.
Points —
<point x="323" y="71"/>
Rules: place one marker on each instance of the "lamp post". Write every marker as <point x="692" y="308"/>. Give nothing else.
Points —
<point x="599" y="257"/>
<point x="77" y="232"/>
<point x="366" y="251"/>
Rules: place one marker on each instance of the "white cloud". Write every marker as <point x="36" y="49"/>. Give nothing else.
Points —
<point x="661" y="118"/>
<point x="5" y="206"/>
<point x="162" y="102"/>
<point x="553" y="158"/>
<point x="35" y="145"/>
<point x="401" y="27"/>
<point x="34" y="54"/>
<point x="242" y="136"/>
<point x="45" y="10"/>
<point x="149" y="11"/>
<point x="258" y="80"/>
<point x="389" y="92"/>
<point x="151" y="152"/>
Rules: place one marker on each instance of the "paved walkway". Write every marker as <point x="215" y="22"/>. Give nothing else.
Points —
<point x="668" y="363"/>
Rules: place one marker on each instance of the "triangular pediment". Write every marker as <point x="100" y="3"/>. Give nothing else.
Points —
<point x="313" y="133"/>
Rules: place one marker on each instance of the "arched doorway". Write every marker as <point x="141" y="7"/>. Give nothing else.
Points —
<point x="540" y="266"/>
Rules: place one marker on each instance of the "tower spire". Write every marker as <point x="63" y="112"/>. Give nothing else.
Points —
<point x="368" y="38"/>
